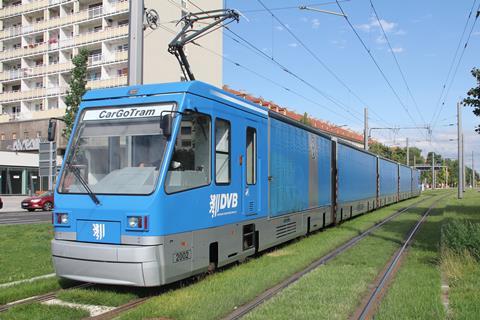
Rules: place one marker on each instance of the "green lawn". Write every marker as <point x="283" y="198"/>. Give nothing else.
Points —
<point x="338" y="287"/>
<point x="416" y="289"/>
<point x="25" y="251"/>
<point x="461" y="267"/>
<point x="39" y="311"/>
<point x="221" y="292"/>
<point x="102" y="295"/>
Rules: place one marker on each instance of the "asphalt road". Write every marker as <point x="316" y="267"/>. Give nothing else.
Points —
<point x="25" y="217"/>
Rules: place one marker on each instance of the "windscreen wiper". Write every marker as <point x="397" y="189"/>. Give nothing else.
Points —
<point x="79" y="177"/>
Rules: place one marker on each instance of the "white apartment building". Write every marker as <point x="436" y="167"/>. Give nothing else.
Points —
<point x="38" y="39"/>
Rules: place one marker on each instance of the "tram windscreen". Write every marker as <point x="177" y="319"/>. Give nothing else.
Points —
<point x="115" y="151"/>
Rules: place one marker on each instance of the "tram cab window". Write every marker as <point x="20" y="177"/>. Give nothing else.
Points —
<point x="222" y="151"/>
<point x="190" y="164"/>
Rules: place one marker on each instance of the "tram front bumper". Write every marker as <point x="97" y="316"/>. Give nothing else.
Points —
<point x="108" y="264"/>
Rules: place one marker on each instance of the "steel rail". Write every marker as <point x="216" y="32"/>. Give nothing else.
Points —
<point x="41" y="298"/>
<point x="375" y="296"/>
<point x="269" y="293"/>
<point x="124" y="307"/>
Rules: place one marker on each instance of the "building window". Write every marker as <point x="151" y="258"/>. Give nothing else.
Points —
<point x="186" y="130"/>
<point x="122" y="72"/>
<point x="186" y="143"/>
<point x="25" y="135"/>
<point x="39" y="134"/>
<point x="122" y="47"/>
<point x="94" y="76"/>
<point x="222" y="151"/>
<point x="2" y="136"/>
<point x="14" y="136"/>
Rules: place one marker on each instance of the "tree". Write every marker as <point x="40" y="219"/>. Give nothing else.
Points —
<point x="77" y="88"/>
<point x="305" y="120"/>
<point x="473" y="99"/>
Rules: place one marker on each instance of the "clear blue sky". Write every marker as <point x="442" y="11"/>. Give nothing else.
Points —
<point x="423" y="34"/>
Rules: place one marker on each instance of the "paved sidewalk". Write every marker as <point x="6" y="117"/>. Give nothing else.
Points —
<point x="12" y="203"/>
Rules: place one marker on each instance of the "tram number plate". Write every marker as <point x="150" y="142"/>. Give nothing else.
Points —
<point x="182" y="256"/>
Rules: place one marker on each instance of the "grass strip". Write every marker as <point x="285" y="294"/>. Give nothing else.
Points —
<point x="461" y="269"/>
<point x="34" y="288"/>
<point x="338" y="287"/>
<point x="239" y="284"/>
<point x="101" y="295"/>
<point x="415" y="292"/>
<point x="39" y="311"/>
<point x="25" y="251"/>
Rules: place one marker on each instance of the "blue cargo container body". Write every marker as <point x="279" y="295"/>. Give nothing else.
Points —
<point x="405" y="182"/>
<point x="357" y="180"/>
<point x="388" y="181"/>
<point x="300" y="171"/>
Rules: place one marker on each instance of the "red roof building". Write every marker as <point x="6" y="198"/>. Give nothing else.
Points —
<point x="322" y="125"/>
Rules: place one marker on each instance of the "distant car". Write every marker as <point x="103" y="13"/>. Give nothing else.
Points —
<point x="43" y="201"/>
<point x="1" y="203"/>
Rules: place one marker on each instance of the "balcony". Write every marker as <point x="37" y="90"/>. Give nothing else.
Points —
<point x="11" y="32"/>
<point x="107" y="83"/>
<point x="24" y="7"/>
<point x="30" y="94"/>
<point x="60" y="67"/>
<point x="35" y="71"/>
<point x="31" y="49"/>
<point x="53" y="44"/>
<point x="121" y="6"/>
<point x="50" y="113"/>
<point x="121" y="55"/>
<point x="100" y="35"/>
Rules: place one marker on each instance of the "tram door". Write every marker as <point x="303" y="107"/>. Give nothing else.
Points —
<point x="250" y="169"/>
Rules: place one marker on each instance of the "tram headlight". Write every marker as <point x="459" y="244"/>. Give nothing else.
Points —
<point x="135" y="222"/>
<point x="62" y="218"/>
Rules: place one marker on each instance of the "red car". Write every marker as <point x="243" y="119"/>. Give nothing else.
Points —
<point x="43" y="201"/>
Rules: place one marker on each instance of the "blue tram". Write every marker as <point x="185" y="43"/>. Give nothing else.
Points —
<point x="161" y="182"/>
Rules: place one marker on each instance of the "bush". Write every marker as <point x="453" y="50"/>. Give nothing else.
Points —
<point x="460" y="236"/>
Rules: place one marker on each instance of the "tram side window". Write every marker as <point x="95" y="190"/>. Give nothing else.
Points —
<point x="222" y="151"/>
<point x="190" y="164"/>
<point x="251" y="163"/>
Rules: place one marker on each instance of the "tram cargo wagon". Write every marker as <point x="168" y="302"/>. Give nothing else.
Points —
<point x="161" y="182"/>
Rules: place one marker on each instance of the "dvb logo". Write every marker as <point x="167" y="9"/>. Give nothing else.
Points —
<point x="222" y="201"/>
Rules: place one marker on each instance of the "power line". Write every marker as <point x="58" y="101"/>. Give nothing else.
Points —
<point x="396" y="62"/>
<point x="259" y="75"/>
<point x="292" y="7"/>
<point x="296" y="76"/>
<point x="452" y="63"/>
<point x="285" y="69"/>
<point x="256" y="50"/>
<point x="377" y="65"/>
<point x="458" y="64"/>
<point x="316" y="57"/>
